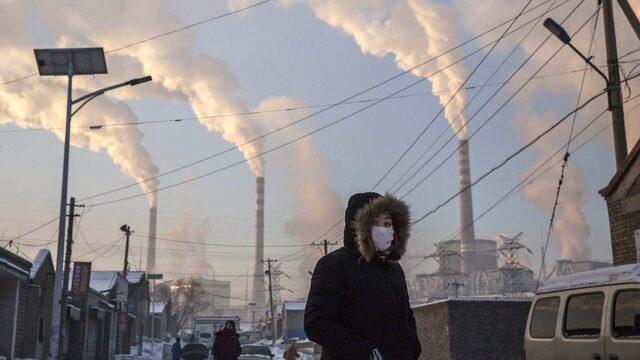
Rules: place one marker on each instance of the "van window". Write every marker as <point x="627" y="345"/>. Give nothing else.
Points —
<point x="584" y="315"/>
<point x="626" y="314"/>
<point x="544" y="317"/>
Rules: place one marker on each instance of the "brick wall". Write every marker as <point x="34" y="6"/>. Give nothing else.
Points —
<point x="622" y="226"/>
<point x="430" y="320"/>
<point x="472" y="329"/>
<point x="488" y="329"/>
<point x="7" y="312"/>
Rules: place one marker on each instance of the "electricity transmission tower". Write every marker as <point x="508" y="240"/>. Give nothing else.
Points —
<point x="512" y="269"/>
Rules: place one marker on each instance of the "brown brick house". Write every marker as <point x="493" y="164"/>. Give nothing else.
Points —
<point x="622" y="195"/>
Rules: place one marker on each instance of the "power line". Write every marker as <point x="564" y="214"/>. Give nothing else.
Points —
<point x="181" y="120"/>
<point x="217" y="244"/>
<point x="493" y="115"/>
<point x="468" y="103"/>
<point x="453" y="96"/>
<point x="565" y="158"/>
<point x="530" y="178"/>
<point x="509" y="158"/>
<point x="485" y="46"/>
<point x="336" y="104"/>
<point x="180" y="29"/>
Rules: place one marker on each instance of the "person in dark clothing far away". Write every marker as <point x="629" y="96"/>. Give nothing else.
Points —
<point x="176" y="350"/>
<point x="226" y="344"/>
<point x="358" y="305"/>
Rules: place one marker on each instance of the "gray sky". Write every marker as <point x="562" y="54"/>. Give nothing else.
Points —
<point x="312" y="55"/>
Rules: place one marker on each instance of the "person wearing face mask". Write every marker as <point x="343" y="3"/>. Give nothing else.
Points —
<point x="358" y="305"/>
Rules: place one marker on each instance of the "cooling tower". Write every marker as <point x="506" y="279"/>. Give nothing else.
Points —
<point x="258" y="278"/>
<point x="151" y="242"/>
<point x="467" y="235"/>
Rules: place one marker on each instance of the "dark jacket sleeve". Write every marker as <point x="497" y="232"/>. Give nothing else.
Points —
<point x="326" y="297"/>
<point x="216" y="346"/>
<point x="238" y="346"/>
<point x="412" y="324"/>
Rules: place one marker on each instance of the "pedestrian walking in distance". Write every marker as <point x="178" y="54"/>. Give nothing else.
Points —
<point x="176" y="350"/>
<point x="226" y="344"/>
<point x="358" y="305"/>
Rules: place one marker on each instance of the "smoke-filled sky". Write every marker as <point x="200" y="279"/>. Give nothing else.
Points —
<point x="290" y="54"/>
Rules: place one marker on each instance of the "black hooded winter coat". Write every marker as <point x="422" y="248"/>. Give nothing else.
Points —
<point x="358" y="301"/>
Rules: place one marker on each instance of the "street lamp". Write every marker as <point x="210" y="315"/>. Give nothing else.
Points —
<point x="558" y="31"/>
<point x="70" y="62"/>
<point x="614" y="95"/>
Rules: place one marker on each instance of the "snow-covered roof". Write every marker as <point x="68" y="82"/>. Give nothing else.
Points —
<point x="606" y="276"/>
<point x="15" y="262"/>
<point x="473" y="299"/>
<point x="38" y="261"/>
<point x="134" y="277"/>
<point x="295" y="305"/>
<point x="156" y="308"/>
<point x="103" y="281"/>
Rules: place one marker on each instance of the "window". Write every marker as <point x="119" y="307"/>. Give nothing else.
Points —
<point x="544" y="317"/>
<point x="205" y="335"/>
<point x="626" y="315"/>
<point x="584" y="315"/>
<point x="40" y="331"/>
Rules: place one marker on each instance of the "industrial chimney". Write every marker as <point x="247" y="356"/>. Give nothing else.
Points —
<point x="258" y="278"/>
<point x="151" y="242"/>
<point x="467" y="233"/>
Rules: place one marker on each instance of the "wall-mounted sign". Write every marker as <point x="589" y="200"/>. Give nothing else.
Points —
<point x="81" y="278"/>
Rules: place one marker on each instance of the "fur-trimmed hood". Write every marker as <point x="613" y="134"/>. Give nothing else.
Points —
<point x="365" y="218"/>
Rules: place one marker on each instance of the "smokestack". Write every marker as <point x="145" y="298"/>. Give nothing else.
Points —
<point x="258" y="278"/>
<point x="151" y="242"/>
<point x="467" y="235"/>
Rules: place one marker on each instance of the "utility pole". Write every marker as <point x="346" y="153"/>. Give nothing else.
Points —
<point x="67" y="269"/>
<point x="127" y="230"/>
<point x="273" y="310"/>
<point x="613" y="85"/>
<point x="325" y="243"/>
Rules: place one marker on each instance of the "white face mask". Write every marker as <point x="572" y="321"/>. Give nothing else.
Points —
<point x="382" y="237"/>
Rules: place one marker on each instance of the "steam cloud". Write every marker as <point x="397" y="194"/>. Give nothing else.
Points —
<point x="317" y="203"/>
<point x="201" y="80"/>
<point x="412" y="31"/>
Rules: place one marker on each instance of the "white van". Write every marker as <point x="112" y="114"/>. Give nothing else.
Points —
<point x="592" y="315"/>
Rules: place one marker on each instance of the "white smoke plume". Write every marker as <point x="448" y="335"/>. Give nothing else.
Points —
<point x="42" y="103"/>
<point x="187" y="229"/>
<point x="412" y="31"/>
<point x="201" y="80"/>
<point x="317" y="203"/>
<point x="415" y="30"/>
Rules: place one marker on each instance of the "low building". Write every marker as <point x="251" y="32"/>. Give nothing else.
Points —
<point x="115" y="287"/>
<point x="622" y="195"/>
<point x="293" y="320"/>
<point x="138" y="304"/>
<point x="14" y="282"/>
<point x="472" y="328"/>
<point x="39" y="304"/>
<point x="163" y="320"/>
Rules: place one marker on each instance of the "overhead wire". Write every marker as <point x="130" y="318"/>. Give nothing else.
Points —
<point x="154" y="37"/>
<point x="459" y="116"/>
<point x="184" y="119"/>
<point x="565" y="159"/>
<point x="349" y="98"/>
<point x="532" y="176"/>
<point x="453" y="96"/>
<point x="495" y="113"/>
<point x="507" y="159"/>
